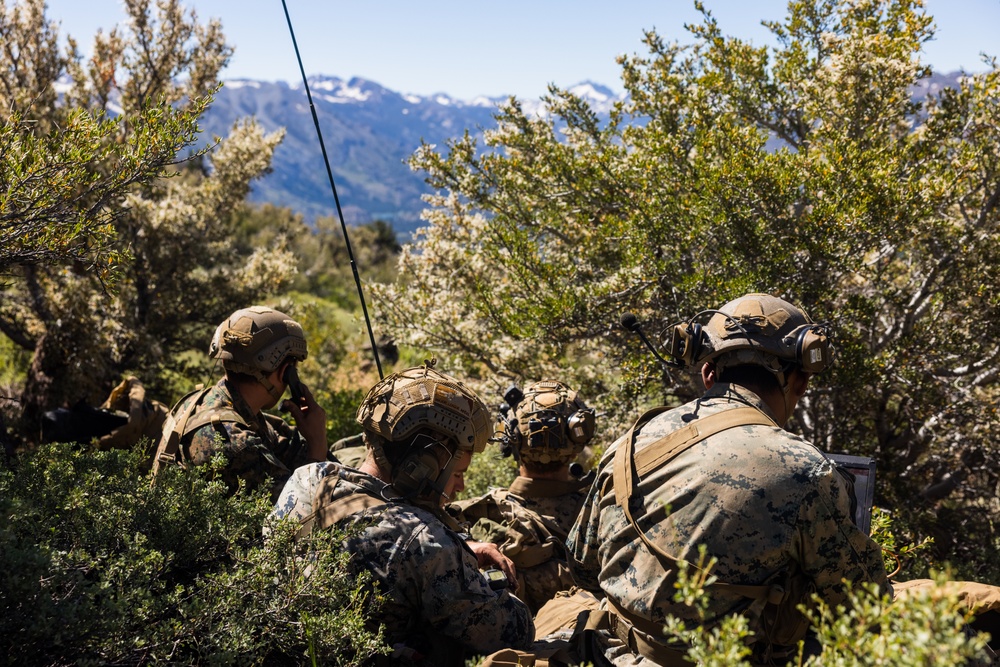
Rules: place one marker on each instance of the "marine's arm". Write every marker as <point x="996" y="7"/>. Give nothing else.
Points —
<point x="310" y="422"/>
<point x="456" y="599"/>
<point x="829" y="547"/>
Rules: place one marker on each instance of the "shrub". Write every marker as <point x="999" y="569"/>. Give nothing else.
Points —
<point x="101" y="567"/>
<point x="929" y="628"/>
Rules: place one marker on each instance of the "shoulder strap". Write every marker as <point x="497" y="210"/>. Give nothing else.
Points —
<point x="168" y="450"/>
<point x="664" y="450"/>
<point x="211" y="416"/>
<point x="329" y="511"/>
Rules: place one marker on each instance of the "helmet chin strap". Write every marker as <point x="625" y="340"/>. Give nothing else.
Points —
<point x="442" y="479"/>
<point x="272" y="390"/>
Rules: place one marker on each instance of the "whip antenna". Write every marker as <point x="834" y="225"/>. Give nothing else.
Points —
<point x="333" y="187"/>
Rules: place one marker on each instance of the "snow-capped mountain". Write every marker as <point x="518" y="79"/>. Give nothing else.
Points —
<point x="369" y="132"/>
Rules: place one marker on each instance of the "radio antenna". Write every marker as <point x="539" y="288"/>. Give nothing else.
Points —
<point x="333" y="187"/>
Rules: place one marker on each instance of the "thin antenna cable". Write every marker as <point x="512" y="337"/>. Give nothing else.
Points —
<point x="333" y="187"/>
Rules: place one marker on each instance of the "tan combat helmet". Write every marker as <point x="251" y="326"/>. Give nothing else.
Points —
<point x="756" y="329"/>
<point x="256" y="340"/>
<point x="433" y="412"/>
<point x="553" y="425"/>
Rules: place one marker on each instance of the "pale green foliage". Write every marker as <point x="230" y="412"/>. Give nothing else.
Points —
<point x="897" y="554"/>
<point x="64" y="169"/>
<point x="923" y="630"/>
<point x="871" y="629"/>
<point x="804" y="170"/>
<point x="488" y="470"/>
<point x="169" y="243"/>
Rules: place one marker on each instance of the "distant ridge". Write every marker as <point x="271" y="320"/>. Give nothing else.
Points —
<point x="369" y="132"/>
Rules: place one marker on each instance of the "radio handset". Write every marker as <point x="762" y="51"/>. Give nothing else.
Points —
<point x="291" y="379"/>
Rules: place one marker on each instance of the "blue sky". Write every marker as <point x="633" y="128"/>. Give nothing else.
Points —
<point x="468" y="47"/>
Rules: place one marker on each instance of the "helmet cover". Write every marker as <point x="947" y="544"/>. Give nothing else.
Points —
<point x="553" y="424"/>
<point x="256" y="340"/>
<point x="763" y="330"/>
<point x="421" y="399"/>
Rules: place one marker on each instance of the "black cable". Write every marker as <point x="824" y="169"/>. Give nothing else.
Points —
<point x="333" y="187"/>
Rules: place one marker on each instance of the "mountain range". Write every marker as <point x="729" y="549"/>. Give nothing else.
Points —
<point x="369" y="132"/>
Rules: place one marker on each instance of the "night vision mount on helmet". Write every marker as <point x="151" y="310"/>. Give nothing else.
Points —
<point x="434" y="414"/>
<point x="756" y="329"/>
<point x="550" y="423"/>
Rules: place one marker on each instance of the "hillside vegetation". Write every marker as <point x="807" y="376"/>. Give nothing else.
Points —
<point x="807" y="170"/>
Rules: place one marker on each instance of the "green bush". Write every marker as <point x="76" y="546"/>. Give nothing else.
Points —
<point x="100" y="567"/>
<point x="488" y="470"/>
<point x="341" y="406"/>
<point x="930" y="628"/>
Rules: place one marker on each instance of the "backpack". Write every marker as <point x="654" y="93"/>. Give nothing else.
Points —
<point x="179" y="424"/>
<point x="536" y="544"/>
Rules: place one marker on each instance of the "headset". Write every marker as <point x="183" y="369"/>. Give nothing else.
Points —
<point x="810" y="344"/>
<point x="814" y="352"/>
<point x="577" y="427"/>
<point x="687" y="340"/>
<point x="420" y="469"/>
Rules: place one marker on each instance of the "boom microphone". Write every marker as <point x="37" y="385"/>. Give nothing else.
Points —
<point x="631" y="322"/>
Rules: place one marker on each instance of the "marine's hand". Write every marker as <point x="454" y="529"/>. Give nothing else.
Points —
<point x="310" y="420"/>
<point x="489" y="555"/>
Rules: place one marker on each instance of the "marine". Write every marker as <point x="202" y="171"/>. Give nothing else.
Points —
<point x="530" y="520"/>
<point x="259" y="348"/>
<point x="421" y="428"/>
<point x="721" y="471"/>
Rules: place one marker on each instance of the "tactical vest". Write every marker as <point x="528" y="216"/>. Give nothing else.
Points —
<point x="775" y="604"/>
<point x="535" y="544"/>
<point x="180" y="424"/>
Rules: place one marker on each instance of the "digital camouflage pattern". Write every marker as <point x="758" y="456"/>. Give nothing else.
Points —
<point x="439" y="608"/>
<point x="530" y="522"/>
<point x="555" y="500"/>
<point x="266" y="448"/>
<point x="765" y="503"/>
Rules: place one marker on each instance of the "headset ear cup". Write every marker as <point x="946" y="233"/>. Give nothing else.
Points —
<point x="813" y="351"/>
<point x="687" y="343"/>
<point x="697" y="344"/>
<point x="415" y="472"/>
<point x="580" y="427"/>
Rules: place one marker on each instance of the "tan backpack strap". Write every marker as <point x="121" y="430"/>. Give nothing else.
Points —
<point x="662" y="451"/>
<point x="169" y="450"/>
<point x="329" y="511"/>
<point x="214" y="416"/>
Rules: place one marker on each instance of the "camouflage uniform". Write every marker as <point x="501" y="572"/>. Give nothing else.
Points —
<point x="766" y="503"/>
<point x="555" y="500"/>
<point x="439" y="608"/>
<point x="529" y="522"/>
<point x="266" y="448"/>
